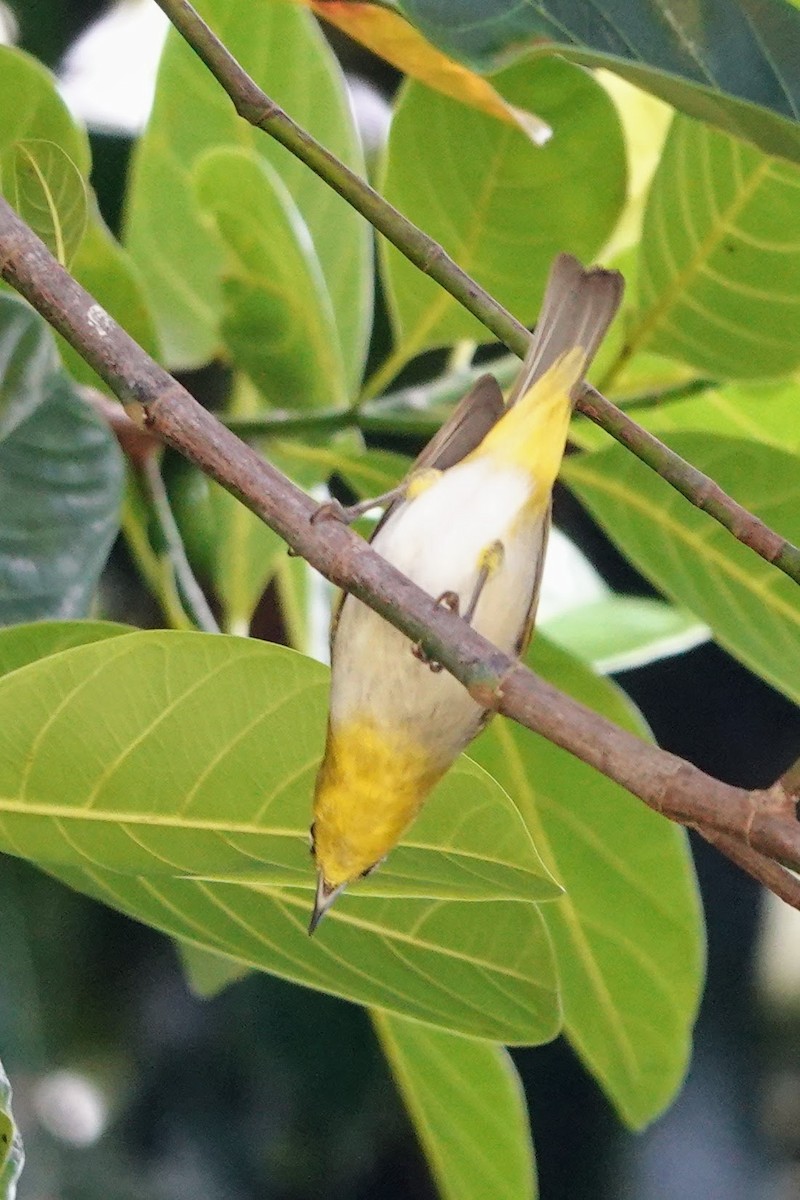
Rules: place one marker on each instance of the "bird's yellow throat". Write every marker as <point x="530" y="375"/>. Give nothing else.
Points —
<point x="372" y="784"/>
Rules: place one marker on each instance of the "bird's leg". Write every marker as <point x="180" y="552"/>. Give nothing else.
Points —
<point x="347" y="513"/>
<point x="409" y="489"/>
<point x="491" y="559"/>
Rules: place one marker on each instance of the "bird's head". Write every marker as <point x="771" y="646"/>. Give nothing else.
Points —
<point x="339" y="862"/>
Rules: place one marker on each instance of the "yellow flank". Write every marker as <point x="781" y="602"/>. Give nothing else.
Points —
<point x="371" y="786"/>
<point x="532" y="434"/>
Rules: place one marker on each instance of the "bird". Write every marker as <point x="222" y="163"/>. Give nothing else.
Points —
<point x="469" y="525"/>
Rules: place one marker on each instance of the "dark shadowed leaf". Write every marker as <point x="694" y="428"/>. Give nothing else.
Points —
<point x="732" y="63"/>
<point x="60" y="483"/>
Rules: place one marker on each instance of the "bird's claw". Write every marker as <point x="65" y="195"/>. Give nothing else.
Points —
<point x="449" y="600"/>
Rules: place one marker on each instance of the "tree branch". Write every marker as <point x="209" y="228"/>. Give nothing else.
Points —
<point x="256" y="107"/>
<point x="763" y="820"/>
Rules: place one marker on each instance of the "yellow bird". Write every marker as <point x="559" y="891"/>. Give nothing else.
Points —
<point x="469" y="525"/>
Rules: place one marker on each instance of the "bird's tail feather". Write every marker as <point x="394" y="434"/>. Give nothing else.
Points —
<point x="578" y="307"/>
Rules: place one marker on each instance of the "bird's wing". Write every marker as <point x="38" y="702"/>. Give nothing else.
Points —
<point x="464" y="429"/>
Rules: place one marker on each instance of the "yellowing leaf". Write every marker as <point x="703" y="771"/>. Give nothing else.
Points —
<point x="390" y="36"/>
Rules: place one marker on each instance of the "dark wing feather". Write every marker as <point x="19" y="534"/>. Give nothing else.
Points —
<point x="464" y="429"/>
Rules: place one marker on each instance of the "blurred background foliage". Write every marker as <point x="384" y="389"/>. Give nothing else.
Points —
<point x="128" y="1085"/>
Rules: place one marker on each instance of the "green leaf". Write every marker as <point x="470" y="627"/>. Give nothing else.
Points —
<point x="278" y="324"/>
<point x="627" y="933"/>
<point x="484" y="970"/>
<point x="645" y="124"/>
<point x="60" y="490"/>
<point x="207" y="973"/>
<point x="109" y="274"/>
<point x="143" y="768"/>
<point x="468" y="1107"/>
<point x="719" y="277"/>
<point x="31" y="109"/>
<point x="752" y="608"/>
<point x="43" y="185"/>
<point x="185" y="820"/>
<point x="485" y="192"/>
<point x="766" y="411"/>
<point x="24" y="644"/>
<point x="371" y="472"/>
<point x="229" y="544"/>
<point x="245" y="555"/>
<point x="293" y="578"/>
<point x="12" y="1156"/>
<point x="281" y="46"/>
<point x="731" y="63"/>
<point x="621" y="632"/>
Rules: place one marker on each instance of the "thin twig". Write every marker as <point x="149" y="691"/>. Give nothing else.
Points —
<point x="763" y="820"/>
<point x="775" y="877"/>
<point x="181" y="596"/>
<point x="191" y="593"/>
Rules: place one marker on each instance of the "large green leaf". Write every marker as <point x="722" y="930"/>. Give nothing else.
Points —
<point x="764" y="411"/>
<point x="43" y="184"/>
<point x="281" y="46"/>
<point x="487" y="194"/>
<point x="31" y="108"/>
<point x="616" y="633"/>
<point x="732" y="63"/>
<point x="752" y="608"/>
<point x="484" y="970"/>
<point x="60" y="488"/>
<point x="24" y="644"/>
<point x="208" y="973"/>
<point x="719" y="275"/>
<point x="11" y="1154"/>
<point x="150" y="791"/>
<point x="627" y="932"/>
<point x="278" y="324"/>
<point x="184" y="756"/>
<point x="467" y="1104"/>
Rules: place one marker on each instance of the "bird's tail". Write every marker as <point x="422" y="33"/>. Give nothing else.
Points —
<point x="578" y="307"/>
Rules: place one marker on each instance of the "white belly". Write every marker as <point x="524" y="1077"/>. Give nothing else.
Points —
<point x="437" y="540"/>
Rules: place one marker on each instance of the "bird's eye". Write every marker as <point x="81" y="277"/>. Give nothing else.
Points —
<point x="312" y="845"/>
<point x="369" y="870"/>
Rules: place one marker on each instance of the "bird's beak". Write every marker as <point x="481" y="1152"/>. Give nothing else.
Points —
<point x="325" y="898"/>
